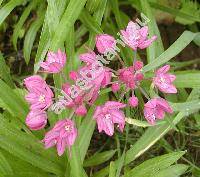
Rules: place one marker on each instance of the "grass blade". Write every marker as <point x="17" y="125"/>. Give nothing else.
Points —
<point x="7" y="8"/>
<point x="172" y="51"/>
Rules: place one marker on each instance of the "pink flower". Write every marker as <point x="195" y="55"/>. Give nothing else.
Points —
<point x="115" y="87"/>
<point x="155" y="109"/>
<point x="76" y="103"/>
<point x="35" y="83"/>
<point x="139" y="77"/>
<point x="41" y="99"/>
<point x="163" y="80"/>
<point x="36" y="119"/>
<point x="131" y="75"/>
<point x="104" y="43"/>
<point x="133" y="101"/>
<point x="138" y="65"/>
<point x="55" y="62"/>
<point x="88" y="58"/>
<point x="126" y="75"/>
<point x="73" y="75"/>
<point x="136" y="37"/>
<point x="94" y="72"/>
<point x="98" y="78"/>
<point x="63" y="135"/>
<point x="109" y="114"/>
<point x="81" y="110"/>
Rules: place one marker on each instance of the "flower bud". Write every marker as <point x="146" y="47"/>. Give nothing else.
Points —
<point x="138" y="65"/>
<point x="81" y="110"/>
<point x="133" y="101"/>
<point x="115" y="87"/>
<point x="36" y="119"/>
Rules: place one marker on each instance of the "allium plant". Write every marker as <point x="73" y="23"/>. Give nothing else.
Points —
<point x="88" y="80"/>
<point x="103" y="89"/>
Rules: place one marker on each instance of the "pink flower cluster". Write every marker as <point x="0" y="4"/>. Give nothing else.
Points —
<point x="89" y="79"/>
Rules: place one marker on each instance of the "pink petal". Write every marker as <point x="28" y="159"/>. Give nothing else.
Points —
<point x="61" y="145"/>
<point x="164" y="105"/>
<point x="163" y="69"/>
<point x="144" y="32"/>
<point x="147" y="43"/>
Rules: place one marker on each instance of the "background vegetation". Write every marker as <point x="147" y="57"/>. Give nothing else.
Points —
<point x="29" y="28"/>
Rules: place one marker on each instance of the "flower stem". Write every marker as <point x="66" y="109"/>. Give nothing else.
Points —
<point x="135" y="56"/>
<point x="144" y="92"/>
<point x="120" y="60"/>
<point x="71" y="114"/>
<point x="63" y="76"/>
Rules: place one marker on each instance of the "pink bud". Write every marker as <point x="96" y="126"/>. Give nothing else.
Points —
<point x="138" y="65"/>
<point x="115" y="87"/>
<point x="81" y="110"/>
<point x="139" y="76"/>
<point x="36" y="119"/>
<point x="73" y="75"/>
<point x="104" y="42"/>
<point x="133" y="101"/>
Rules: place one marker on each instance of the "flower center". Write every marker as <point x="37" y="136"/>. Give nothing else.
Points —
<point x="153" y="117"/>
<point x="162" y="80"/>
<point x="135" y="37"/>
<point x="68" y="128"/>
<point x="107" y="116"/>
<point x="42" y="98"/>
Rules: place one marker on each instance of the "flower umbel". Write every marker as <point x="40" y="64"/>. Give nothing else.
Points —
<point x="55" y="62"/>
<point x="63" y="135"/>
<point x="104" y="43"/>
<point x="136" y="37"/>
<point x="109" y="114"/>
<point x="155" y="109"/>
<point x="163" y="80"/>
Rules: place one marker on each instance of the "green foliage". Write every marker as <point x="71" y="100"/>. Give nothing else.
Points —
<point x="71" y="25"/>
<point x="154" y="166"/>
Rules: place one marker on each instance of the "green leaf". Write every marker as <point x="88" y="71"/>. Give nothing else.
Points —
<point x="5" y="72"/>
<point x="155" y="165"/>
<point x="14" y="103"/>
<point x="151" y="136"/>
<point x="140" y="123"/>
<point x="20" y="166"/>
<point x="67" y="21"/>
<point x="172" y="171"/>
<point x="93" y="5"/>
<point x="175" y="12"/>
<point x="28" y="174"/>
<point x="7" y="8"/>
<point x="187" y="80"/>
<point x="89" y="22"/>
<point x="112" y="170"/>
<point x="98" y="16"/>
<point x="1" y="2"/>
<point x="45" y="38"/>
<point x="76" y="164"/>
<point x="21" y="21"/>
<point x="99" y="158"/>
<point x="5" y="167"/>
<point x="156" y="48"/>
<point x="172" y="51"/>
<point x="87" y="128"/>
<point x="189" y="106"/>
<point x="30" y="36"/>
<point x="27" y="148"/>
<point x="85" y="133"/>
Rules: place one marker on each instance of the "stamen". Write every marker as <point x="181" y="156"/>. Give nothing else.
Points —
<point x="42" y="98"/>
